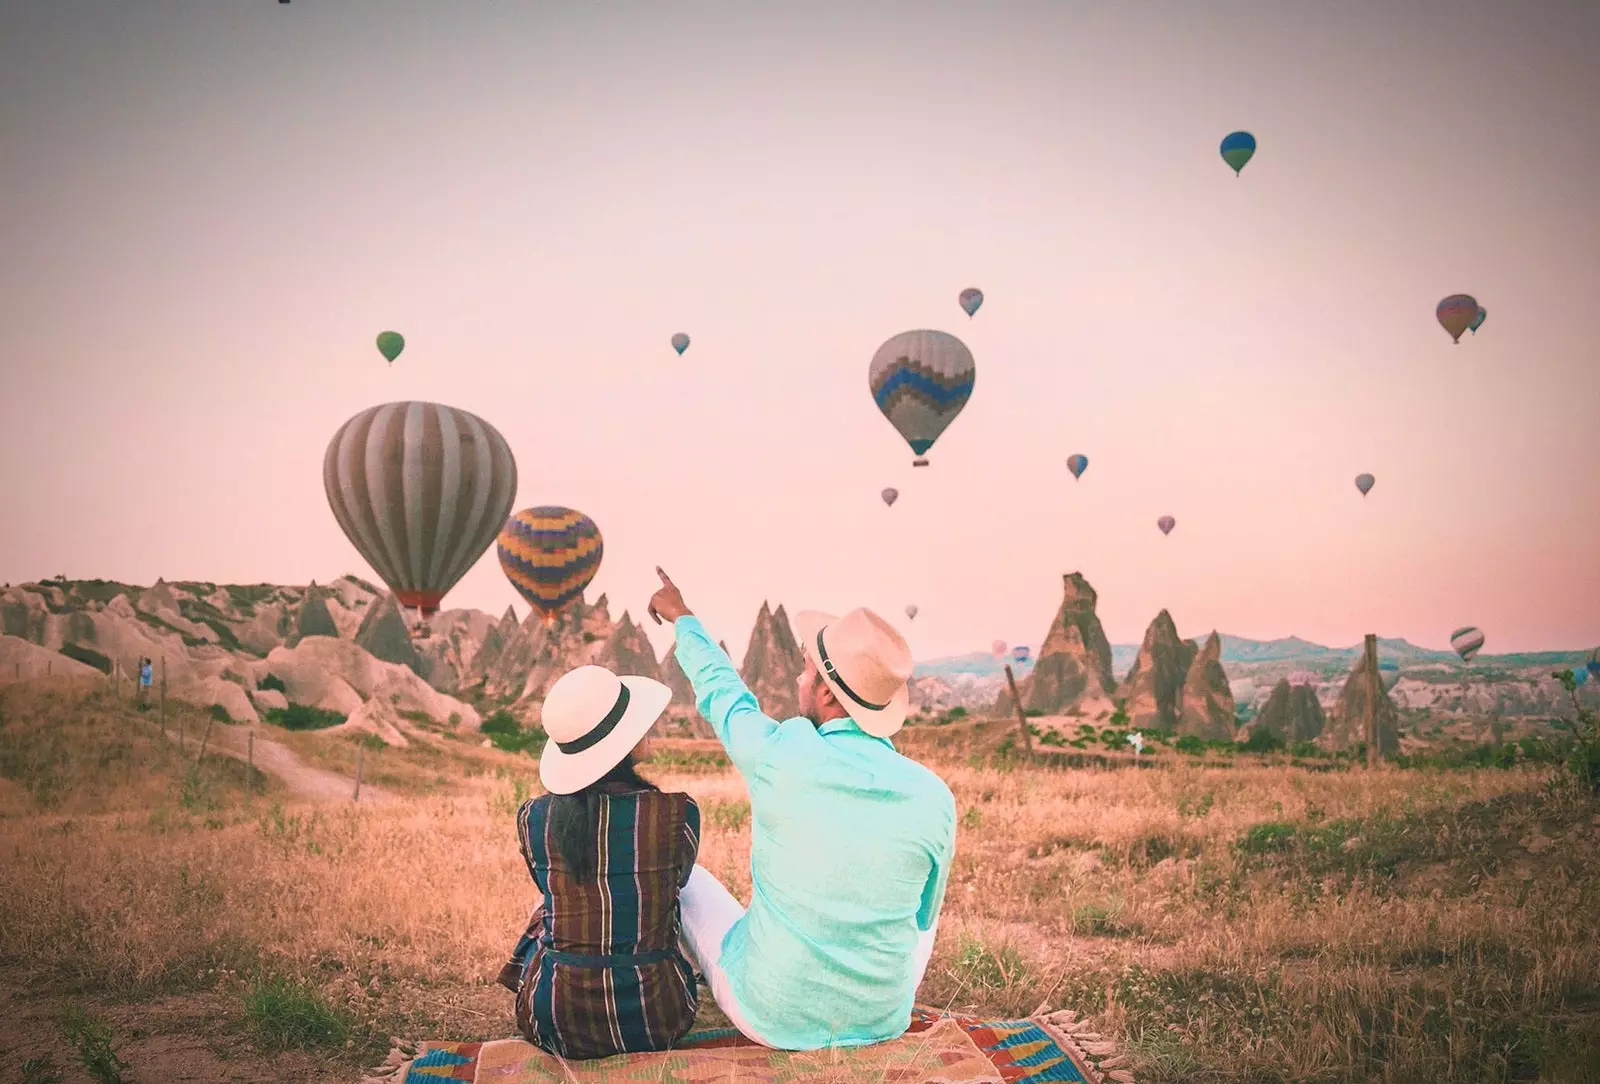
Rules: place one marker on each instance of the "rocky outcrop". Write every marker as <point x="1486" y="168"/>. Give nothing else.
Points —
<point x="313" y="618"/>
<point x="1207" y="708"/>
<point x="1291" y="713"/>
<point x="1347" y="725"/>
<point x="537" y="655"/>
<point x="1072" y="671"/>
<point x="444" y="658"/>
<point x="384" y="635"/>
<point x="1154" y="687"/>
<point x="772" y="664"/>
<point x="489" y="651"/>
<point x="629" y="651"/>
<point x="338" y="675"/>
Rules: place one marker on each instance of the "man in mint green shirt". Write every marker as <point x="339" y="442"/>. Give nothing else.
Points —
<point x="851" y="843"/>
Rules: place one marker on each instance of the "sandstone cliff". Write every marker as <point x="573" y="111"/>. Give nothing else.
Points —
<point x="1154" y="687"/>
<point x="772" y="664"/>
<point x="312" y="618"/>
<point x="1348" y="720"/>
<point x="1207" y="708"/>
<point x="1292" y="713"/>
<point x="1072" y="671"/>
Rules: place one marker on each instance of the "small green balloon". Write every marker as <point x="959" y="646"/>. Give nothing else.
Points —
<point x="390" y="344"/>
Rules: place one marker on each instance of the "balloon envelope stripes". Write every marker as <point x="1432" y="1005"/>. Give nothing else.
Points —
<point x="550" y="554"/>
<point x="420" y="489"/>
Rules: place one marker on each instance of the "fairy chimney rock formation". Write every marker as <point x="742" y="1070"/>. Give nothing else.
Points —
<point x="1348" y="725"/>
<point x="384" y="635"/>
<point x="629" y="651"/>
<point x="1206" y="708"/>
<point x="313" y="618"/>
<point x="1072" y="671"/>
<point x="1292" y="713"/>
<point x="494" y="642"/>
<point x="1154" y="686"/>
<point x="772" y="664"/>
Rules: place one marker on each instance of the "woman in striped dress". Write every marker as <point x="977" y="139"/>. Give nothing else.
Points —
<point x="600" y="970"/>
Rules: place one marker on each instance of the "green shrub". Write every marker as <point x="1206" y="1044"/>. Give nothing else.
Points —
<point x="87" y="655"/>
<point x="303" y="717"/>
<point x="287" y="1014"/>
<point x="1262" y="740"/>
<point x="273" y="681"/>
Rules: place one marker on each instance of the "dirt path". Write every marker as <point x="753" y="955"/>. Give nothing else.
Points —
<point x="278" y="760"/>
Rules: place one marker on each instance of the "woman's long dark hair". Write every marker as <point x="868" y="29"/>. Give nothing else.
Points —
<point x="575" y="819"/>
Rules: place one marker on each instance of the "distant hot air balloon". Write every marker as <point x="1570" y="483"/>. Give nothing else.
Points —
<point x="1021" y="653"/>
<point x="550" y="554"/>
<point x="1593" y="665"/>
<point x="1166" y="523"/>
<point x="1466" y="640"/>
<point x="1237" y="149"/>
<point x="998" y="650"/>
<point x="911" y="611"/>
<point x="921" y="380"/>
<point x="420" y="490"/>
<point x="1456" y="314"/>
<point x="890" y="495"/>
<point x="680" y="343"/>
<point x="971" y="299"/>
<point x="1388" y="673"/>
<point x="390" y="343"/>
<point x="1077" y="464"/>
<point x="1581" y="675"/>
<point x="1364" y="483"/>
<point x="1477" y="321"/>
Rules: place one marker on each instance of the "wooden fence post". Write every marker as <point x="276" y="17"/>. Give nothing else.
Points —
<point x="356" y="797"/>
<point x="163" y="696"/>
<point x="250" y="766"/>
<point x="204" y="738"/>
<point x="1374" y="690"/>
<point x="1022" y="716"/>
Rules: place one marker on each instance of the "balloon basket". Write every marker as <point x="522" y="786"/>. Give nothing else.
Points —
<point x="919" y="462"/>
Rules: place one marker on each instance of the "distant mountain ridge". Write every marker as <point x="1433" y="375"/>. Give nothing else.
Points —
<point x="1239" y="649"/>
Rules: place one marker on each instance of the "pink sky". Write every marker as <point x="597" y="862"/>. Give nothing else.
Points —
<point x="208" y="211"/>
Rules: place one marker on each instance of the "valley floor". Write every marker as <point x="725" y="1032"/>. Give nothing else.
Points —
<point x="1249" y="921"/>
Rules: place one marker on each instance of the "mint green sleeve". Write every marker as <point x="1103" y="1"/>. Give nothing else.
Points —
<point x="939" y="876"/>
<point x="722" y="697"/>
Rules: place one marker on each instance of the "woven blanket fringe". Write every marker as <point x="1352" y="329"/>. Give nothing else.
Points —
<point x="1081" y="1037"/>
<point x="393" y="1070"/>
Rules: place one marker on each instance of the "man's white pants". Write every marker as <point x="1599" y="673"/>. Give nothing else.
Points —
<point x="709" y="911"/>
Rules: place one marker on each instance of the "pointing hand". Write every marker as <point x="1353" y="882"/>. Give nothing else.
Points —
<point x="667" y="604"/>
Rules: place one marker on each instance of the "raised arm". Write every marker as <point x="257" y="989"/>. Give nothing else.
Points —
<point x="722" y="696"/>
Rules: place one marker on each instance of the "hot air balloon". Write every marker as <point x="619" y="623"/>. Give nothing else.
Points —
<point x="891" y="495"/>
<point x="971" y="299"/>
<point x="390" y="343"/>
<point x="998" y="650"/>
<point x="1593" y="665"/>
<point x="1077" y="464"/>
<point x="921" y="380"/>
<point x="1456" y="314"/>
<point x="420" y="490"/>
<point x="550" y="554"/>
<point x="1021" y="653"/>
<point x="680" y="343"/>
<point x="1364" y="483"/>
<point x="1388" y="673"/>
<point x="911" y="612"/>
<point x="1237" y="149"/>
<point x="1166" y="523"/>
<point x="1580" y="675"/>
<point x="1477" y="321"/>
<point x="1466" y="640"/>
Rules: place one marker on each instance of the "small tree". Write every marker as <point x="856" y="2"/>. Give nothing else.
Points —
<point x="1584" y="759"/>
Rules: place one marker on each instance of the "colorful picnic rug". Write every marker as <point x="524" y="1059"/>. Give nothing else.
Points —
<point x="939" y="1048"/>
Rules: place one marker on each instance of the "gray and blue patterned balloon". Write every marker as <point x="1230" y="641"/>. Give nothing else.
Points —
<point x="921" y="380"/>
<point x="971" y="300"/>
<point x="1467" y="641"/>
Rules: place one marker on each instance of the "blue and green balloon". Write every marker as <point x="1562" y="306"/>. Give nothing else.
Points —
<point x="1237" y="149"/>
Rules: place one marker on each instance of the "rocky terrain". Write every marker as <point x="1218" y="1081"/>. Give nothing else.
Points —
<point x="344" y="648"/>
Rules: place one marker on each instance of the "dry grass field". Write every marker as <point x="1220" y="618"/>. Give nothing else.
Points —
<point x="1247" y="921"/>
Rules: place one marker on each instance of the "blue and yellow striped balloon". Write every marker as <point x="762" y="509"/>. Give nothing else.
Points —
<point x="550" y="554"/>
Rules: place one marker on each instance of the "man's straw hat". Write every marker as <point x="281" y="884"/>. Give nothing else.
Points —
<point x="865" y="662"/>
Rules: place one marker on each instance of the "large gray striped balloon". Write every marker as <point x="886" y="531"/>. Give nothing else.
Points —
<point x="421" y="490"/>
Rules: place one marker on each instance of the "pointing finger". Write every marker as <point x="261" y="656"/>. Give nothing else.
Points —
<point x="663" y="575"/>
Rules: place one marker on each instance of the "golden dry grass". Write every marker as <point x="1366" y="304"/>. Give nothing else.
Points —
<point x="1243" y="922"/>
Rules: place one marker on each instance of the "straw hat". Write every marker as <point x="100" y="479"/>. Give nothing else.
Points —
<point x="594" y="719"/>
<point x="865" y="662"/>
